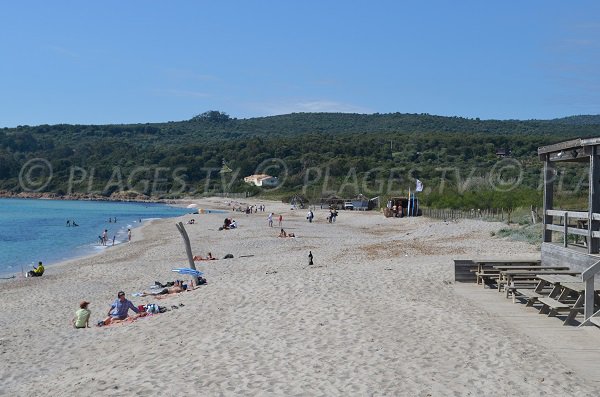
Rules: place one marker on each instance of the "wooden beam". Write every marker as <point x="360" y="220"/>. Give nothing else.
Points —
<point x="557" y="147"/>
<point x="594" y="201"/>
<point x="549" y="175"/>
<point x="572" y="215"/>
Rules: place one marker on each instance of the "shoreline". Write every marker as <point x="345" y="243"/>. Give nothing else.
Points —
<point x="217" y="205"/>
<point x="11" y="275"/>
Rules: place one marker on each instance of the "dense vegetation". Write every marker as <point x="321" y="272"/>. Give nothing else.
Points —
<point x="316" y="154"/>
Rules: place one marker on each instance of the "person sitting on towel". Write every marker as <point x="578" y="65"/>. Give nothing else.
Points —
<point x="119" y="309"/>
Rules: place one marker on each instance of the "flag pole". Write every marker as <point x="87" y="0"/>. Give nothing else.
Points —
<point x="408" y="213"/>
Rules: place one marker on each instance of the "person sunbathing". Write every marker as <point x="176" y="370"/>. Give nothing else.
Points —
<point x="284" y="234"/>
<point x="177" y="287"/>
<point x="209" y="257"/>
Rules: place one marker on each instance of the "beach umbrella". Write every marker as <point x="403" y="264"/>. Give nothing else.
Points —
<point x="187" y="270"/>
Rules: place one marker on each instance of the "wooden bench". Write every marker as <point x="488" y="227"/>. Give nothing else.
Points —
<point x="484" y="274"/>
<point x="529" y="295"/>
<point x="552" y="306"/>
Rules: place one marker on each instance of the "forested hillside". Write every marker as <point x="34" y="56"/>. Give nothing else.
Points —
<point x="315" y="154"/>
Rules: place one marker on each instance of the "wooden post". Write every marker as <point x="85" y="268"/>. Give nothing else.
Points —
<point x="588" y="305"/>
<point x="188" y="248"/>
<point x="566" y="229"/>
<point x="549" y="174"/>
<point x="594" y="201"/>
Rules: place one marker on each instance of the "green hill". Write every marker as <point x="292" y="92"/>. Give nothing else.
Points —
<point x="313" y="153"/>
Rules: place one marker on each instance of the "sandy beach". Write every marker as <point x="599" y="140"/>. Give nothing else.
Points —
<point x="378" y="314"/>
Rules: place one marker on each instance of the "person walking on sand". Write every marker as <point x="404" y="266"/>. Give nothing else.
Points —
<point x="270" y="219"/>
<point x="129" y="235"/>
<point x="310" y="216"/>
<point x="310" y="258"/>
<point x="280" y="220"/>
<point x="82" y="316"/>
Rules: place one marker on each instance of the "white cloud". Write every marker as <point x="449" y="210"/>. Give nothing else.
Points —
<point x="311" y="107"/>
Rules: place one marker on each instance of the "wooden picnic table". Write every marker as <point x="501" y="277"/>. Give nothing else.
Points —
<point x="495" y="271"/>
<point x="532" y="268"/>
<point x="484" y="265"/>
<point x="507" y="262"/>
<point x="556" y="280"/>
<point x="559" y="298"/>
<point x="508" y="276"/>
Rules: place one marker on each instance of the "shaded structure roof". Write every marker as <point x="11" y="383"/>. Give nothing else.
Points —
<point x="573" y="150"/>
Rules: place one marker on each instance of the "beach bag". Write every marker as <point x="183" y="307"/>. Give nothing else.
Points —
<point x="152" y="308"/>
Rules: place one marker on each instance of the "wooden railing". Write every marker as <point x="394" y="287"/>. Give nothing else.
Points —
<point x="588" y="278"/>
<point x="490" y="213"/>
<point x="564" y="227"/>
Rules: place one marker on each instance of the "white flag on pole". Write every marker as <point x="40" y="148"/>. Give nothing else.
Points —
<point x="419" y="186"/>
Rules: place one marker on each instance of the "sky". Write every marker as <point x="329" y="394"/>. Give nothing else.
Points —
<point x="112" y="62"/>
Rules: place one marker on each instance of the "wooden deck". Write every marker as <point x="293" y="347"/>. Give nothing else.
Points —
<point x="578" y="348"/>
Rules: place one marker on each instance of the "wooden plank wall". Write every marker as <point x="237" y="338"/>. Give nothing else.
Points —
<point x="464" y="271"/>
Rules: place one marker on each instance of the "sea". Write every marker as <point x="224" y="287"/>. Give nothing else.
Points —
<point x="33" y="230"/>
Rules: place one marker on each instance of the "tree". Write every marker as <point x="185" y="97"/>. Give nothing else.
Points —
<point x="212" y="116"/>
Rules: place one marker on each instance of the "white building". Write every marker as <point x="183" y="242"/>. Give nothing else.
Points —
<point x="262" y="180"/>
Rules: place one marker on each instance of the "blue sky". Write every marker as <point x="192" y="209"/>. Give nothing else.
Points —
<point x="150" y="61"/>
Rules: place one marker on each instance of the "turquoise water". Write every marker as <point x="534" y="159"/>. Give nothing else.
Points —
<point x="36" y="230"/>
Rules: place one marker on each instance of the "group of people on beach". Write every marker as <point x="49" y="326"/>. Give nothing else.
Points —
<point x="119" y="309"/>
<point x="229" y="223"/>
<point x="103" y="238"/>
<point x="270" y="219"/>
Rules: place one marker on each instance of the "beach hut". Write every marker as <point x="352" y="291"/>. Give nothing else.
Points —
<point x="399" y="207"/>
